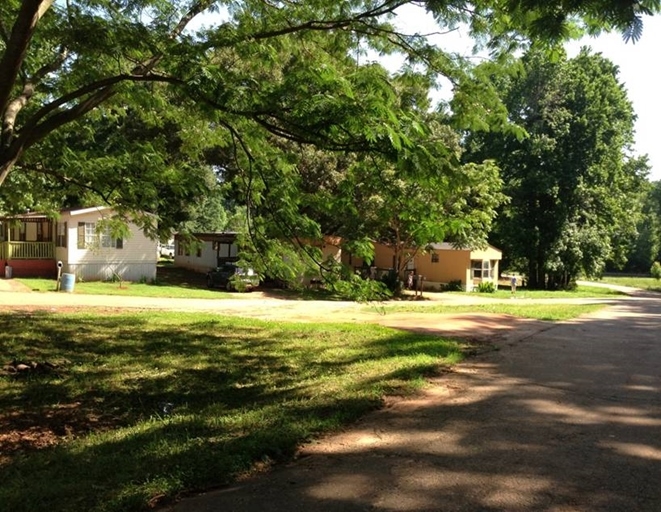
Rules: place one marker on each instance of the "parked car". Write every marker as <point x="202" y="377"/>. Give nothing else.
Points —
<point x="166" y="250"/>
<point x="232" y="277"/>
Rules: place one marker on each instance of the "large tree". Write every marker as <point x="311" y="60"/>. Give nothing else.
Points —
<point x="61" y="60"/>
<point x="572" y="185"/>
<point x="645" y="249"/>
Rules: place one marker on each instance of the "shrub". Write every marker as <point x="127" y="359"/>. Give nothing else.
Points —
<point x="655" y="270"/>
<point x="361" y="290"/>
<point x="392" y="281"/>
<point x="453" y="286"/>
<point x="486" y="287"/>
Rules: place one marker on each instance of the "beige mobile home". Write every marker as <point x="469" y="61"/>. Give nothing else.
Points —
<point x="440" y="264"/>
<point x="210" y="251"/>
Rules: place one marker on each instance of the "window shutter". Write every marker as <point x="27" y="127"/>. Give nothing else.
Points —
<point x="65" y="235"/>
<point x="81" y="235"/>
<point x="119" y="243"/>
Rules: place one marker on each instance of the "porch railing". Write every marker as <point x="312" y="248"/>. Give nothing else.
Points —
<point x="27" y="250"/>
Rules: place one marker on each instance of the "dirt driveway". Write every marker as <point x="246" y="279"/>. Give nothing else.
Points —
<point x="14" y="295"/>
<point x="566" y="418"/>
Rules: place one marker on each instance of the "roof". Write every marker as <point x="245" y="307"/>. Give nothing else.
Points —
<point x="83" y="211"/>
<point x="27" y="216"/>
<point x="227" y="237"/>
<point x="446" y="246"/>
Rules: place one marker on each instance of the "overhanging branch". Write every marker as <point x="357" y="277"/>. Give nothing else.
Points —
<point x="29" y="15"/>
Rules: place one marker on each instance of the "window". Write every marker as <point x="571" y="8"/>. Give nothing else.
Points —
<point x="180" y="249"/>
<point x="86" y="234"/>
<point x="198" y="253"/>
<point x="481" y="269"/>
<point x="44" y="231"/>
<point x="108" y="241"/>
<point x="61" y="238"/>
<point x="20" y="233"/>
<point x="434" y="257"/>
<point x="88" y="237"/>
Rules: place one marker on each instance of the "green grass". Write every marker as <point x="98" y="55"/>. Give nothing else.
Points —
<point x="644" y="283"/>
<point x="129" y="289"/>
<point x="549" y="312"/>
<point x="578" y="293"/>
<point x="144" y="407"/>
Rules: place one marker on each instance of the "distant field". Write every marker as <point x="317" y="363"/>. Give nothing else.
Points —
<point x="579" y="292"/>
<point x="644" y="283"/>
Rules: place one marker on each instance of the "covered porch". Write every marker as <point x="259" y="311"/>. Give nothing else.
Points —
<point x="27" y="246"/>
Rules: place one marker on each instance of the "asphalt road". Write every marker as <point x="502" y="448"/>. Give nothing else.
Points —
<point x="567" y="418"/>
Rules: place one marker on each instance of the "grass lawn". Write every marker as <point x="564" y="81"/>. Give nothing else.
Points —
<point x="129" y="289"/>
<point x="170" y="282"/>
<point x="143" y="407"/>
<point x="550" y="312"/>
<point x="579" y="292"/>
<point x="644" y="283"/>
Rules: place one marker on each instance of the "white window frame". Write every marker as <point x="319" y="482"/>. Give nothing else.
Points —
<point x="481" y="269"/>
<point x="61" y="234"/>
<point x="94" y="239"/>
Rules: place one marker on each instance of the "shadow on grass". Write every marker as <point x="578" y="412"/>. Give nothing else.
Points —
<point x="565" y="420"/>
<point x="142" y="407"/>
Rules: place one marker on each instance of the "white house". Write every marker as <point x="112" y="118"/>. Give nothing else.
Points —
<point x="208" y="252"/>
<point x="95" y="256"/>
<point x="32" y="244"/>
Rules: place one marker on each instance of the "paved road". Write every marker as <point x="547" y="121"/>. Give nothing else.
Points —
<point x="565" y="419"/>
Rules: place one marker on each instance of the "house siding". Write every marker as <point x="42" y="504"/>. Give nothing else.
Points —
<point x="135" y="261"/>
<point x="127" y="270"/>
<point x="452" y="265"/>
<point x="205" y="262"/>
<point x="455" y="264"/>
<point x="209" y="257"/>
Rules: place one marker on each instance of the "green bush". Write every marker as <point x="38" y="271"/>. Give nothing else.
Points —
<point x="656" y="270"/>
<point x="453" y="286"/>
<point x="486" y="287"/>
<point x="392" y="281"/>
<point x="361" y="290"/>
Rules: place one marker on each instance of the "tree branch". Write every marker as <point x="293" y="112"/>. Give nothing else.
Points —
<point x="17" y="104"/>
<point x="29" y="15"/>
<point x="196" y="9"/>
<point x="65" y="180"/>
<point x="90" y="88"/>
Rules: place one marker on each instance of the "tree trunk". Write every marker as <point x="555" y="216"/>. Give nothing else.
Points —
<point x="6" y="165"/>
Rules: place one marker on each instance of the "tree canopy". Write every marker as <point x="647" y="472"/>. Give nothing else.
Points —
<point x="572" y="184"/>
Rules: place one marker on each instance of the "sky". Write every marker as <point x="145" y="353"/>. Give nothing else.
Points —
<point x="636" y="62"/>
